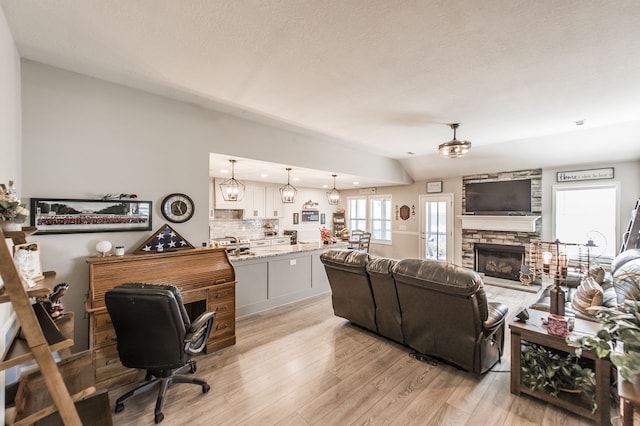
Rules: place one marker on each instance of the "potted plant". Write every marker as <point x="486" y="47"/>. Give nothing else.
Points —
<point x="12" y="213"/>
<point x="556" y="371"/>
<point x="619" y="338"/>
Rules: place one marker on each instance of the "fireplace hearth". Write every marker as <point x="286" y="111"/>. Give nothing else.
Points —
<point x="499" y="260"/>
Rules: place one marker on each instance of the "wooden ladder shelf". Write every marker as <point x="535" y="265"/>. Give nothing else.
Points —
<point x="38" y="346"/>
<point x="631" y="238"/>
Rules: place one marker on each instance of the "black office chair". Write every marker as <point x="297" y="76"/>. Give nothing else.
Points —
<point x="154" y="333"/>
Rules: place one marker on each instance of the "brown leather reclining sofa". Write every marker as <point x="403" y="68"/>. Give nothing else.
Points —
<point x="435" y="308"/>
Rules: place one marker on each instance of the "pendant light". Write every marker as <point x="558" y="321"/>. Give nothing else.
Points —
<point x="232" y="189"/>
<point x="454" y="148"/>
<point x="288" y="192"/>
<point x="333" y="196"/>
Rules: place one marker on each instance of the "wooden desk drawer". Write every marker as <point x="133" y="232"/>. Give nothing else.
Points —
<point x="222" y="306"/>
<point x="101" y="321"/>
<point x="107" y="363"/>
<point x="220" y="294"/>
<point x="223" y="325"/>
<point x="104" y="337"/>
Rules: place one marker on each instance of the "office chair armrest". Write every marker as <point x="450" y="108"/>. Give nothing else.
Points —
<point x="198" y="333"/>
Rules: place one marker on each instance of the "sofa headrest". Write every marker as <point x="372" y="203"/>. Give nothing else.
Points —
<point x="381" y="266"/>
<point x="438" y="276"/>
<point x="346" y="260"/>
<point x="626" y="281"/>
<point x="623" y="258"/>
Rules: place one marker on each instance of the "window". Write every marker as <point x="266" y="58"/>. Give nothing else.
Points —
<point x="376" y="218"/>
<point x="381" y="218"/>
<point x="587" y="212"/>
<point x="357" y="214"/>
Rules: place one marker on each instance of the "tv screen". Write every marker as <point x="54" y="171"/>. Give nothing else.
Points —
<point x="503" y="197"/>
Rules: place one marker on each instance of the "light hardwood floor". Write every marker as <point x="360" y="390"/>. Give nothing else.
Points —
<point x="301" y="365"/>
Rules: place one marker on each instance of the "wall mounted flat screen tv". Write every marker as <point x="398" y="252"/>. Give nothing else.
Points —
<point x="502" y="197"/>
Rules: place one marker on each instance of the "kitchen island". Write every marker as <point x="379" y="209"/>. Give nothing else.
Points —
<point x="278" y="275"/>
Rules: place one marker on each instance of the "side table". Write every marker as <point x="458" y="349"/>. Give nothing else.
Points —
<point x="629" y="398"/>
<point x="533" y="331"/>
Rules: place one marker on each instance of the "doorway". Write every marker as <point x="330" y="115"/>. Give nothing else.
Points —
<point x="436" y="227"/>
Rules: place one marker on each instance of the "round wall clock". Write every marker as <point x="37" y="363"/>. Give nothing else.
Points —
<point x="177" y="208"/>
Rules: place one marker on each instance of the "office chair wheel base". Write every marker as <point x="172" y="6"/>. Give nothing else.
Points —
<point x="206" y="388"/>
<point x="158" y="418"/>
<point x="193" y="368"/>
<point x="119" y="407"/>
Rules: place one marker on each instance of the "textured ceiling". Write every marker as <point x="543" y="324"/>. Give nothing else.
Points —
<point x="385" y="76"/>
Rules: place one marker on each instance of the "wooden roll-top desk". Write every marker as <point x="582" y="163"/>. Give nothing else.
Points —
<point x="204" y="276"/>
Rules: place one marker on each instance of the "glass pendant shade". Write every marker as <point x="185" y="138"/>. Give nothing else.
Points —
<point x="288" y="192"/>
<point x="333" y="196"/>
<point x="454" y="148"/>
<point x="232" y="189"/>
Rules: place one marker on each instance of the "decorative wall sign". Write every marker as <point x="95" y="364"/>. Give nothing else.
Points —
<point x="405" y="212"/>
<point x="578" y="175"/>
<point x="164" y="239"/>
<point x="433" y="187"/>
<point x="66" y="216"/>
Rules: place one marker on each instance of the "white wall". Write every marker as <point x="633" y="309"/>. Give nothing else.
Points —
<point x="84" y="137"/>
<point x="9" y="144"/>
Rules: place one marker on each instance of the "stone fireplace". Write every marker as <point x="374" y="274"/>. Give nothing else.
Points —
<point x="499" y="260"/>
<point x="506" y="231"/>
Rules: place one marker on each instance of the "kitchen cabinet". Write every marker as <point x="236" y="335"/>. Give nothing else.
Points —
<point x="259" y="200"/>
<point x="273" y="203"/>
<point x="254" y="201"/>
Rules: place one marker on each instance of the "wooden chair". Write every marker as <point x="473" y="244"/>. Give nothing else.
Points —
<point x="363" y="244"/>
<point x="354" y="240"/>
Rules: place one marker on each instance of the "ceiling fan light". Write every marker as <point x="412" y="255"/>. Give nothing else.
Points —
<point x="232" y="189"/>
<point x="454" y="148"/>
<point x="288" y="192"/>
<point x="333" y="196"/>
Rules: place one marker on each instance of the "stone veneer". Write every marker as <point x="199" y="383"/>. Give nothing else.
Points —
<point x="471" y="236"/>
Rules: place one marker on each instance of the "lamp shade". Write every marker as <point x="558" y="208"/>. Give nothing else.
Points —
<point x="232" y="189"/>
<point x="454" y="148"/>
<point x="288" y="192"/>
<point x="333" y="196"/>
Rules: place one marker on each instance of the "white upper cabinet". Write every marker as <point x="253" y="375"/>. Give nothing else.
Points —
<point x="273" y="204"/>
<point x="259" y="200"/>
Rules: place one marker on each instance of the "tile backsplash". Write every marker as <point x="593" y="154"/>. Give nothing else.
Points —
<point x="247" y="228"/>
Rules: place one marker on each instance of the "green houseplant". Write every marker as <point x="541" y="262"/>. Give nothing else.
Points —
<point x="620" y="330"/>
<point x="555" y="371"/>
<point x="10" y="208"/>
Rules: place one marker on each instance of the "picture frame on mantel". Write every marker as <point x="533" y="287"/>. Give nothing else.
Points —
<point x="434" y="187"/>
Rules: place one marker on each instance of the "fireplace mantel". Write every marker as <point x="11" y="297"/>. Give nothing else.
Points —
<point x="500" y="223"/>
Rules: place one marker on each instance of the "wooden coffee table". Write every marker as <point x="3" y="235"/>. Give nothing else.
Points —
<point x="534" y="331"/>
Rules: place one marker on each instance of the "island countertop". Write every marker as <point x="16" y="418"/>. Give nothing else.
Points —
<point x="282" y="250"/>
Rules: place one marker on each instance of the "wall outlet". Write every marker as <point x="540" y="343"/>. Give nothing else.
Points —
<point x="292" y="262"/>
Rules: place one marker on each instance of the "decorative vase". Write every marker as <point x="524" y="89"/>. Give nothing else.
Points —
<point x="8" y="226"/>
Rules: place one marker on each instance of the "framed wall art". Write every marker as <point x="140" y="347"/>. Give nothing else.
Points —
<point x="67" y="216"/>
<point x="434" y="187"/>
